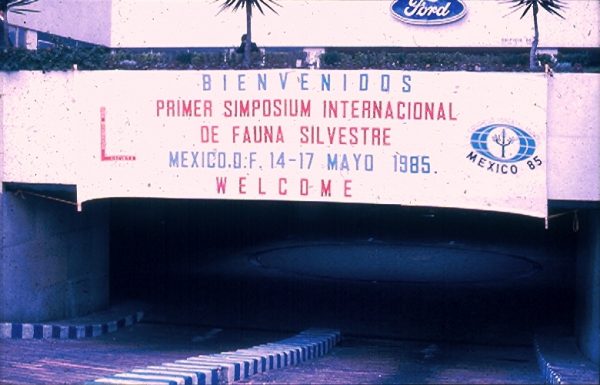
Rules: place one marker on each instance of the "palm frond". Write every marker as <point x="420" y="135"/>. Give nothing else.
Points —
<point x="551" y="6"/>
<point x="22" y="11"/>
<point x="526" y="10"/>
<point x="17" y="6"/>
<point x="234" y="5"/>
<point x="18" y="3"/>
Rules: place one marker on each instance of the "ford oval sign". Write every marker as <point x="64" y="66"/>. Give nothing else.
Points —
<point x="429" y="12"/>
<point x="503" y="143"/>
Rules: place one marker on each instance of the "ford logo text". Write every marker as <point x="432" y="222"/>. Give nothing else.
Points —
<point x="428" y="12"/>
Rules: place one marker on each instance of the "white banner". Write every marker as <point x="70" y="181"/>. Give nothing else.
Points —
<point x="443" y="139"/>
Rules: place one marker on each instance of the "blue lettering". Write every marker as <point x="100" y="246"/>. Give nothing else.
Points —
<point x="332" y="162"/>
<point x="385" y="83"/>
<point x="283" y="79"/>
<point x="345" y="162"/>
<point x="326" y="82"/>
<point x="303" y="82"/>
<point x="184" y="159"/>
<point x="364" y="82"/>
<point x="206" y="86"/>
<point x="242" y="82"/>
<point x="262" y="82"/>
<point x="406" y="79"/>
<point x="173" y="158"/>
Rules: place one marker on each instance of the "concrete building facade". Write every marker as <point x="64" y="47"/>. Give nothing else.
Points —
<point x="54" y="259"/>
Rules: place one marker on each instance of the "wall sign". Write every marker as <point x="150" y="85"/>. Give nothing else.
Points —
<point x="428" y="12"/>
<point x="441" y="139"/>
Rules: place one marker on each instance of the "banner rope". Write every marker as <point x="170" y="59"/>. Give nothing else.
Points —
<point x="22" y="194"/>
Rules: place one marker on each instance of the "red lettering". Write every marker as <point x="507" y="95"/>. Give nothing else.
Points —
<point x="242" y="188"/>
<point x="347" y="188"/>
<point x="221" y="184"/>
<point x="303" y="186"/>
<point x="160" y="105"/>
<point x="282" y="186"/>
<point x="325" y="188"/>
<point x="209" y="134"/>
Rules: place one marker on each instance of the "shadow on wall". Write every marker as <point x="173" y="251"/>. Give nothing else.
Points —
<point x="54" y="259"/>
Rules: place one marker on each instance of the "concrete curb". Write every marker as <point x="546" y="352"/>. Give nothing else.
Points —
<point x="563" y="364"/>
<point x="228" y="367"/>
<point x="65" y="331"/>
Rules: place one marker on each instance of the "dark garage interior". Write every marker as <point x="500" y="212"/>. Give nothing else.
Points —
<point x="447" y="294"/>
<point x="399" y="272"/>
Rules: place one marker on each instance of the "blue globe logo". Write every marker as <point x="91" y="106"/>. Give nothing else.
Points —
<point x="503" y="143"/>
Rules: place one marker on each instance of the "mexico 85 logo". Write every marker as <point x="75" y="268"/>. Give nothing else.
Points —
<point x="503" y="149"/>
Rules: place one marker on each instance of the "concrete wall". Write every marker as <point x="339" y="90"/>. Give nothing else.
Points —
<point x="326" y="23"/>
<point x="87" y="20"/>
<point x="305" y="23"/>
<point x="574" y="137"/>
<point x="588" y="286"/>
<point x="2" y="285"/>
<point x="54" y="260"/>
<point x="40" y="108"/>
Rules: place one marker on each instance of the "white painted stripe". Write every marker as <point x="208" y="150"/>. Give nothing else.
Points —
<point x="80" y="331"/>
<point x="112" y="326"/>
<point x="246" y="364"/>
<point x="193" y="374"/>
<point x="27" y="331"/>
<point x="177" y="379"/>
<point x="312" y="347"/>
<point x="225" y="373"/>
<point x="299" y="347"/>
<point x="64" y="332"/>
<point x="112" y="380"/>
<point x="192" y="365"/>
<point x="290" y="350"/>
<point x="46" y="331"/>
<point x="167" y="373"/>
<point x="6" y="330"/>
<point x="207" y="371"/>
<point x="284" y="356"/>
<point x="270" y="356"/>
<point x="227" y="368"/>
<point x="96" y="330"/>
<point x="207" y="361"/>
<point x="259" y="359"/>
<point x="315" y="346"/>
<point x="280" y="357"/>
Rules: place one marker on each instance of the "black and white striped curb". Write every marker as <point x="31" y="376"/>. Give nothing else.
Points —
<point x="568" y="369"/>
<point x="228" y="367"/>
<point x="549" y="374"/>
<point x="64" y="331"/>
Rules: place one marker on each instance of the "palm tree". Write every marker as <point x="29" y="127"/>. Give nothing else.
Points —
<point x="248" y="5"/>
<point x="551" y="6"/>
<point x="16" y="6"/>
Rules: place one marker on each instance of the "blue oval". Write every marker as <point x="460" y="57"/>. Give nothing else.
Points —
<point x="480" y="141"/>
<point x="428" y="12"/>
